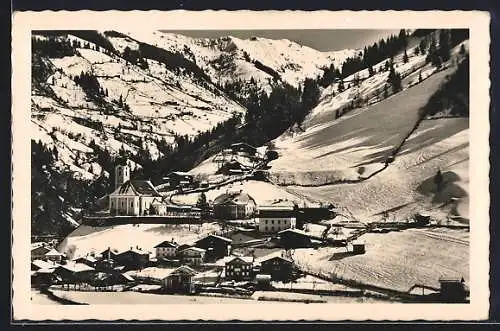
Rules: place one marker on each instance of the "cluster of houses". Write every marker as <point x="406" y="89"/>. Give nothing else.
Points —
<point x="173" y="269"/>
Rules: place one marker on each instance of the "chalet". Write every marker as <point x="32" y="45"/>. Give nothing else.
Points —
<point x="38" y="252"/>
<point x="103" y="279"/>
<point x="192" y="255"/>
<point x="43" y="277"/>
<point x="243" y="237"/>
<point x="133" y="258"/>
<point x="179" y="280"/>
<point x="279" y="266"/>
<point x="54" y="256"/>
<point x="179" y="179"/>
<point x="293" y="238"/>
<point x="166" y="249"/>
<point x="233" y="167"/>
<point x="216" y="246"/>
<point x="239" y="268"/>
<point x="88" y="260"/>
<point x="277" y="217"/>
<point x="74" y="272"/>
<point x="234" y="205"/>
<point x="243" y="148"/>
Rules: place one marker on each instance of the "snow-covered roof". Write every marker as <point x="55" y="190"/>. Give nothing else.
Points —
<point x="245" y="259"/>
<point x="43" y="264"/>
<point x="196" y="249"/>
<point x="217" y="237"/>
<point x="53" y="252"/>
<point x="278" y="254"/>
<point x="76" y="267"/>
<point x="138" y="188"/>
<point x="233" y="198"/>
<point x="167" y="243"/>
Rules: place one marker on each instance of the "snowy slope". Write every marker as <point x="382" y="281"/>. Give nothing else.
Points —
<point x="162" y="104"/>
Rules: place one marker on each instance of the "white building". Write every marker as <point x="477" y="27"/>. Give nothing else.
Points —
<point x="166" y="249"/>
<point x="134" y="197"/>
<point x="192" y="255"/>
<point x="276" y="217"/>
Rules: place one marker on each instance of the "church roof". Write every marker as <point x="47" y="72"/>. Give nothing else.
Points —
<point x="137" y="187"/>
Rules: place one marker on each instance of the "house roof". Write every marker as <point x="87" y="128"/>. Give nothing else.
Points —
<point x="53" y="252"/>
<point x="166" y="244"/>
<point x="233" y="198"/>
<point x="296" y="231"/>
<point x="244" y="145"/>
<point x="138" y="188"/>
<point x="245" y="259"/>
<point x="135" y="251"/>
<point x="197" y="249"/>
<point x="180" y="173"/>
<point x="216" y="237"/>
<point x="41" y="249"/>
<point x="76" y="267"/>
<point x="274" y="255"/>
<point x="87" y="258"/>
<point x="40" y="264"/>
<point x="183" y="269"/>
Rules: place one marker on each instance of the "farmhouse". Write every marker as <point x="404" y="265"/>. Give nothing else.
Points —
<point x="38" y="253"/>
<point x="233" y="167"/>
<point x="179" y="280"/>
<point x="166" y="249"/>
<point x="133" y="258"/>
<point x="234" y="205"/>
<point x="134" y="198"/>
<point x="88" y="260"/>
<point x="54" y="256"/>
<point x="279" y="266"/>
<point x="192" y="255"/>
<point x="243" y="148"/>
<point x="276" y="217"/>
<point x="179" y="179"/>
<point x="216" y="246"/>
<point x="74" y="272"/>
<point x="293" y="238"/>
<point x="239" y="268"/>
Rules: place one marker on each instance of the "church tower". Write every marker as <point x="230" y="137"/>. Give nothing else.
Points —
<point x="122" y="175"/>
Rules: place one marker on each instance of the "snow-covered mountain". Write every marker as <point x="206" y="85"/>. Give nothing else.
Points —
<point x="230" y="59"/>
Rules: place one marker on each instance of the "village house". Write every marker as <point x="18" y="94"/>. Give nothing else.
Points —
<point x="233" y="167"/>
<point x="134" y="258"/>
<point x="41" y="264"/>
<point x="293" y="238"/>
<point x="74" y="273"/>
<point x="177" y="179"/>
<point x="88" y="260"/>
<point x="54" y="256"/>
<point x="38" y="252"/>
<point x="166" y="249"/>
<point x="234" y="205"/>
<point x="216" y="246"/>
<point x="132" y="197"/>
<point x="243" y="237"/>
<point x="244" y="149"/>
<point x="239" y="268"/>
<point x="179" y="280"/>
<point x="276" y="217"/>
<point x="278" y="266"/>
<point x="192" y="255"/>
<point x="42" y="277"/>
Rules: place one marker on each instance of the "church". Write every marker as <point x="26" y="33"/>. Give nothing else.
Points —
<point x="134" y="197"/>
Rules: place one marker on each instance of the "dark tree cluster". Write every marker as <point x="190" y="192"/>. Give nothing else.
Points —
<point x="330" y="75"/>
<point x="371" y="55"/>
<point x="52" y="47"/>
<point x="453" y="95"/>
<point x="439" y="51"/>
<point x="89" y="84"/>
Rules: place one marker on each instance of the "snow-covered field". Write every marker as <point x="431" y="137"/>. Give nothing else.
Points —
<point x="87" y="239"/>
<point x="261" y="192"/>
<point x="396" y="260"/>
<point x="130" y="298"/>
<point x="407" y="182"/>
